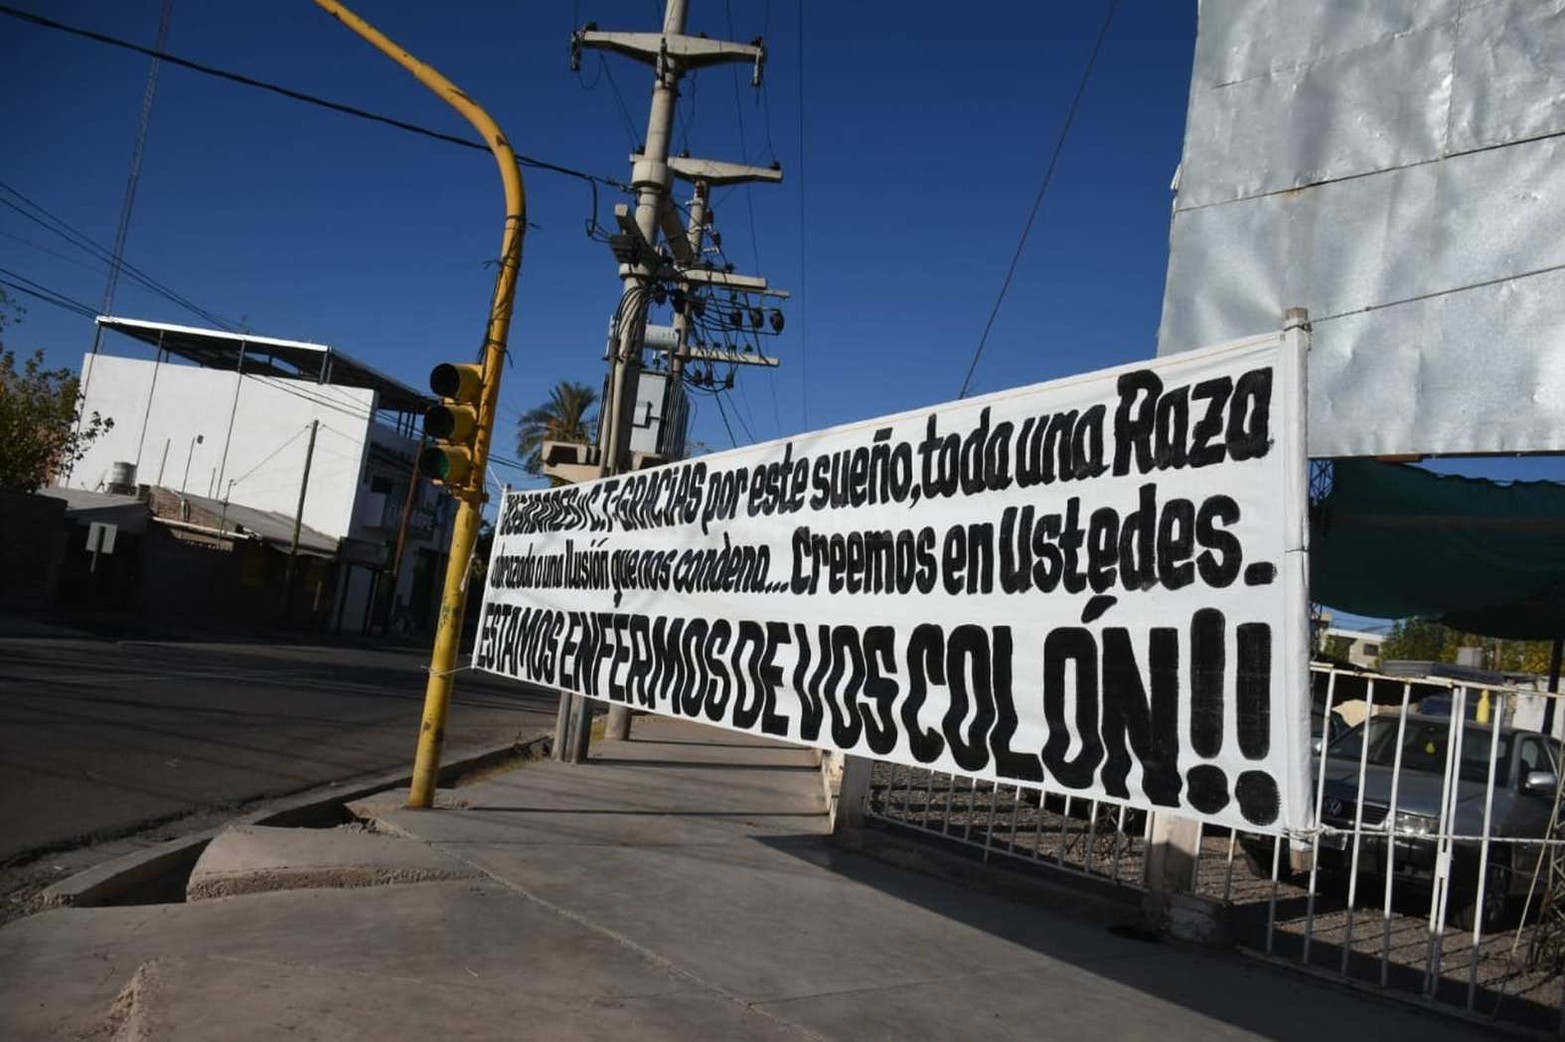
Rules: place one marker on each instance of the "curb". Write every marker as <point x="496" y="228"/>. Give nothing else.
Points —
<point x="134" y="873"/>
<point x="142" y="876"/>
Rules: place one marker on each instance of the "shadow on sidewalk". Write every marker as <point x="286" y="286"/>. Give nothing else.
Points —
<point x="620" y="813"/>
<point x="633" y="740"/>
<point x="715" y="765"/>
<point x="1252" y="996"/>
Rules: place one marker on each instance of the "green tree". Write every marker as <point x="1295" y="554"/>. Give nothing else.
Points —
<point x="1515" y="656"/>
<point x="42" y="431"/>
<point x="1338" y="646"/>
<point x="1422" y="640"/>
<point x="1529" y="656"/>
<point x="566" y="416"/>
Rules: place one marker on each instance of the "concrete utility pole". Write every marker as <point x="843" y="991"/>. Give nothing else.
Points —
<point x="402" y="542"/>
<point x="304" y="488"/>
<point x="197" y="440"/>
<point x="695" y="235"/>
<point x="289" y="580"/>
<point x="671" y="54"/>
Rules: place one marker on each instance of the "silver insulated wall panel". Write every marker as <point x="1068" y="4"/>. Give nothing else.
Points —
<point x="1398" y="168"/>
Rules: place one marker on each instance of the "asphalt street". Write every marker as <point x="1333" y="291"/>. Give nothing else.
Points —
<point x="99" y="737"/>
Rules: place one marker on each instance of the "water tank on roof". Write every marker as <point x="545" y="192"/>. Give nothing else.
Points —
<point x="122" y="479"/>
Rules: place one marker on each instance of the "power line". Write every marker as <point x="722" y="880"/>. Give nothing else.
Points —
<point x="320" y="399"/>
<point x="761" y="99"/>
<point x="619" y="101"/>
<point x="771" y="384"/>
<point x="744" y="149"/>
<point x="51" y="223"/>
<point x="749" y="195"/>
<point x="804" y="354"/>
<point x="328" y="428"/>
<point x="296" y="95"/>
<point x="81" y="241"/>
<point x="743" y="409"/>
<point x="766" y="123"/>
<point x="45" y="294"/>
<point x="128" y="204"/>
<point x="1048" y="175"/>
<point x="510" y="464"/>
<point x="724" y="414"/>
<point x="269" y="456"/>
<point x="133" y="178"/>
<point x="688" y="123"/>
<point x="61" y="228"/>
<point x="67" y="258"/>
<point x="40" y="216"/>
<point x="22" y="284"/>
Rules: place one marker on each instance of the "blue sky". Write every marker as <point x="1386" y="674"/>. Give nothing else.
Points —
<point x="925" y="127"/>
<point x="924" y="142"/>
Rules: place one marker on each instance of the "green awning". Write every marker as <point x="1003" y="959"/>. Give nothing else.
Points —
<point x="1539" y="617"/>
<point x="1395" y="541"/>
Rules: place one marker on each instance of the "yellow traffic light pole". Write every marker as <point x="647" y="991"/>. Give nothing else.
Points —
<point x="470" y="492"/>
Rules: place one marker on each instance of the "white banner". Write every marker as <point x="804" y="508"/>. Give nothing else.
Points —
<point x="1092" y="586"/>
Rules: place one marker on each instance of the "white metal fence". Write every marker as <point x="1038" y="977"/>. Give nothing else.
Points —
<point x="1079" y="836"/>
<point x="1435" y="867"/>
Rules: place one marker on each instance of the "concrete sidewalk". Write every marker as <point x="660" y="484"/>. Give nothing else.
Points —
<point x="680" y="886"/>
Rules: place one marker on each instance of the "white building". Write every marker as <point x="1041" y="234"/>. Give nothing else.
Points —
<point x="228" y="416"/>
<point x="1358" y="647"/>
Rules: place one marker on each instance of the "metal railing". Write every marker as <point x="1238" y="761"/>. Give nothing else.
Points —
<point x="1070" y="834"/>
<point x="1427" y="870"/>
<point x="1434" y="867"/>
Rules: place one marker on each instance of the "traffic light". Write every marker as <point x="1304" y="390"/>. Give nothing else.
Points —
<point x="453" y="424"/>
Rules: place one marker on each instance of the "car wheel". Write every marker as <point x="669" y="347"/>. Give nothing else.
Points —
<point x="1496" y="897"/>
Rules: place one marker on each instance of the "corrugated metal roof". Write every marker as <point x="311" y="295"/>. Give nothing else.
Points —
<point x="83" y="506"/>
<point x="267" y="525"/>
<point x="270" y="356"/>
<point x="83" y="499"/>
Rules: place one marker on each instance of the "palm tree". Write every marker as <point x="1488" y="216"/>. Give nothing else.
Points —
<point x="565" y="417"/>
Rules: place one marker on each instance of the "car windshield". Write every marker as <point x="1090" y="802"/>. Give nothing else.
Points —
<point x="1424" y="747"/>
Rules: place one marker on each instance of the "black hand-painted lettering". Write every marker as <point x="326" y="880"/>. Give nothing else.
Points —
<point x="1209" y="428"/>
<point x="1249" y="417"/>
<point x="1008" y="763"/>
<point x="1135" y="420"/>
<point x="1207" y="788"/>
<point x="843" y="681"/>
<point x="1143" y="718"/>
<point x="926" y="665"/>
<point x="1259" y="800"/>
<point x="1102" y="549"/>
<point x="969" y="667"/>
<point x="880" y="689"/>
<point x="1071" y="652"/>
<point x="1220" y="562"/>
<point x="1208" y="659"/>
<point x="1173" y="429"/>
<point x="1138" y="563"/>
<point x="1253" y="689"/>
